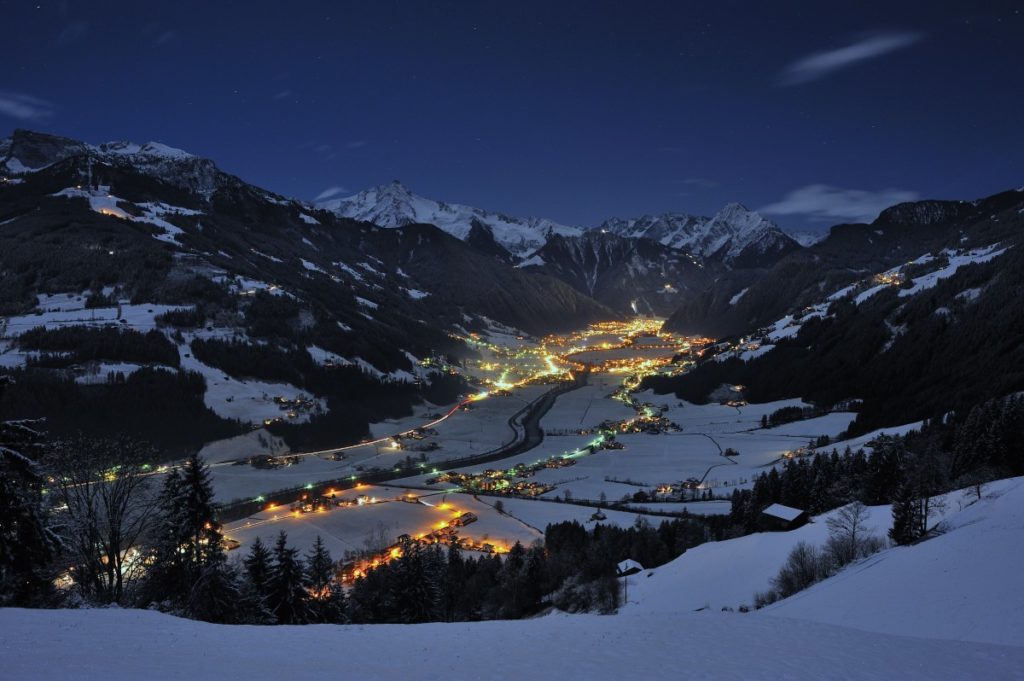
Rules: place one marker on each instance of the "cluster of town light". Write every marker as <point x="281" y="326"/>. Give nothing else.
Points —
<point x="511" y="368"/>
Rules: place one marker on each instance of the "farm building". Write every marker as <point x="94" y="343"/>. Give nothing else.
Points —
<point x="779" y="518"/>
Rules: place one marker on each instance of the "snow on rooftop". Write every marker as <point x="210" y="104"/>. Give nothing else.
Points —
<point x="783" y="512"/>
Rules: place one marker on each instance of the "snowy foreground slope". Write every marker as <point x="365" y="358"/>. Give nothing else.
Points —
<point x="948" y="608"/>
<point x="962" y="585"/>
<point x="115" y="645"/>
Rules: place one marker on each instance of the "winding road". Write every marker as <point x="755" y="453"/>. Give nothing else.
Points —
<point x="525" y="425"/>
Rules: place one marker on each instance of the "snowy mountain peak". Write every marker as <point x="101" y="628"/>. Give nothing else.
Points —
<point x="156" y="149"/>
<point x="736" y="235"/>
<point x="26" y="151"/>
<point x="734" y="208"/>
<point x="394" y="205"/>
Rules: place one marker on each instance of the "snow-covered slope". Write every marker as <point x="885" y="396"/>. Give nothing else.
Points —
<point x="393" y="205"/>
<point x="116" y="645"/>
<point x="961" y="585"/>
<point x="735" y="235"/>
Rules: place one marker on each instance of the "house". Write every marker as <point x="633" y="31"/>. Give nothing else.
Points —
<point x="628" y="567"/>
<point x="779" y="518"/>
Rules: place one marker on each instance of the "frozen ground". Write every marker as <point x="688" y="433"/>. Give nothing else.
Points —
<point x="347" y="528"/>
<point x="129" y="645"/>
<point x="258" y="441"/>
<point x="588" y="406"/>
<point x="539" y="514"/>
<point x="243" y="481"/>
<point x="481" y="428"/>
<point x="69" y="310"/>
<point x="249" y="400"/>
<point x="694" y="507"/>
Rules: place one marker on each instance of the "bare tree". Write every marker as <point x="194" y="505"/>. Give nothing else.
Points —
<point x="378" y="539"/>
<point x="847" y="533"/>
<point x="103" y="488"/>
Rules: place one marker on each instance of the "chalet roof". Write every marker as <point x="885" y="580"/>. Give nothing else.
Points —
<point x="782" y="512"/>
<point x="629" y="566"/>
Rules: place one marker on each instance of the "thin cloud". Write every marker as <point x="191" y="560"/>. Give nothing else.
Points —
<point x="283" y="94"/>
<point x="330" y="192"/>
<point x="821" y="202"/>
<point x="24" y="107"/>
<point x="821" y="64"/>
<point x="357" y="144"/>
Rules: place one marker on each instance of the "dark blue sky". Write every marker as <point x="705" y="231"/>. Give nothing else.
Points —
<point x="821" y="112"/>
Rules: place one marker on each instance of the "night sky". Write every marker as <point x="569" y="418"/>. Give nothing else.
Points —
<point x="818" y="112"/>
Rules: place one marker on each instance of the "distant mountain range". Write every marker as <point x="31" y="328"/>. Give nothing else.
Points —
<point x="735" y="236"/>
<point x="393" y="205"/>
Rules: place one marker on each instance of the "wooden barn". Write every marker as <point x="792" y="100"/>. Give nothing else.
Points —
<point x="779" y="518"/>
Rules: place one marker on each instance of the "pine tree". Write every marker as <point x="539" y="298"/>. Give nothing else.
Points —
<point x="216" y="596"/>
<point x="190" y="567"/>
<point x="288" y="599"/>
<point x="27" y="544"/>
<point x="203" y="541"/>
<point x="327" y="599"/>
<point x="417" y="582"/>
<point x="454" y="584"/>
<point x="254" y="586"/>
<point x="258" y="568"/>
<point x="904" y="516"/>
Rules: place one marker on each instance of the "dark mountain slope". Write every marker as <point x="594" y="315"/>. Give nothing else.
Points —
<point x="899" y="235"/>
<point x="630" y="275"/>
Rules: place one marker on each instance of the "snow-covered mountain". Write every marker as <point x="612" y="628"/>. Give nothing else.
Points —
<point x="393" y="205"/>
<point x="26" y="152"/>
<point x="808" y="239"/>
<point x="735" y="236"/>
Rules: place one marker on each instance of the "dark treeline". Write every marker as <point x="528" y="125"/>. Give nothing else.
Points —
<point x="354" y="397"/>
<point x="165" y="408"/>
<point x="574" y="570"/>
<point x="241" y="359"/>
<point x="82" y="344"/>
<point x="944" y="455"/>
<point x="789" y="415"/>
